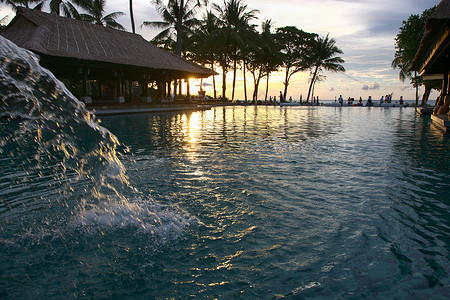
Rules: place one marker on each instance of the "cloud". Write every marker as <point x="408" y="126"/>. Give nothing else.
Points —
<point x="374" y="86"/>
<point x="331" y="89"/>
<point x="405" y="87"/>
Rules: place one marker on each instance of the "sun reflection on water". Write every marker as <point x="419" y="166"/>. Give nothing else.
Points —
<point x="194" y="127"/>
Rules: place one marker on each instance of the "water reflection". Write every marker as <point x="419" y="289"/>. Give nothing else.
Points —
<point x="304" y="202"/>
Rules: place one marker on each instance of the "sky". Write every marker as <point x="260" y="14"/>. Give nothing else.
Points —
<point x="364" y="30"/>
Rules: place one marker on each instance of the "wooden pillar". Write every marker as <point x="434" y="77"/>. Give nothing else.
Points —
<point x="84" y="93"/>
<point x="145" y="86"/>
<point x="169" y="88"/>
<point x="85" y="87"/>
<point x="188" y="88"/>
<point x="115" y="85"/>
<point x="445" y="87"/>
<point x="175" y="85"/>
<point x="180" y="91"/>
<point x="119" y="84"/>
<point x="119" y="87"/>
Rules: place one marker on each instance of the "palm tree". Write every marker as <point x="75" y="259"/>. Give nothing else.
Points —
<point x="171" y="16"/>
<point x="24" y="3"/>
<point x="132" y="17"/>
<point x="323" y="56"/>
<point x="203" y="47"/>
<point x="271" y="58"/>
<point x="174" y="15"/>
<point x="95" y="13"/>
<point x="259" y="58"/>
<point x="65" y="7"/>
<point x="236" y="29"/>
<point x="179" y="25"/>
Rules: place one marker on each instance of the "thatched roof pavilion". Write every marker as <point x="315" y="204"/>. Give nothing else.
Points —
<point x="433" y="56"/>
<point x="433" y="59"/>
<point x="71" y="48"/>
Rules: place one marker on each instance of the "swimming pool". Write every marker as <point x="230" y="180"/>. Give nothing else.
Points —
<point x="250" y="202"/>
<point x="297" y="201"/>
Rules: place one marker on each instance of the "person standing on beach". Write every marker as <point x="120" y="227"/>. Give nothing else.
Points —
<point x="381" y="100"/>
<point x="281" y="97"/>
<point x="341" y="100"/>
<point x="401" y="100"/>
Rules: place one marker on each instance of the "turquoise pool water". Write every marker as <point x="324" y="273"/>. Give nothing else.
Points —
<point x="236" y="202"/>
<point x="314" y="202"/>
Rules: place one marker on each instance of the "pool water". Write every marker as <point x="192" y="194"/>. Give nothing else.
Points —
<point x="231" y="202"/>
<point x="314" y="202"/>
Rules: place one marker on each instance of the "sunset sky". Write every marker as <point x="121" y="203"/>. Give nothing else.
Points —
<point x="363" y="29"/>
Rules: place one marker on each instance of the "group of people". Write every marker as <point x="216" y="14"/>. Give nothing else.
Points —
<point x="282" y="99"/>
<point x="369" y="102"/>
<point x="386" y="99"/>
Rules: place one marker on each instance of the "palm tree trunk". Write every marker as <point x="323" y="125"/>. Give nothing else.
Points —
<point x="312" y="82"/>
<point x="214" y="81"/>
<point x="224" y="83"/>
<point x="417" y="90"/>
<point x="132" y="17"/>
<point x="286" y="83"/>
<point x="255" y="89"/>
<point x="179" y="29"/>
<point x="314" y="87"/>
<point x="234" y="76"/>
<point x="267" y="88"/>
<point x="257" y="81"/>
<point x="214" y="76"/>
<point x="245" y="84"/>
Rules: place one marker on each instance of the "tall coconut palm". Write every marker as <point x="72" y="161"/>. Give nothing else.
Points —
<point x="171" y="18"/>
<point x="65" y="8"/>
<point x="204" y="43"/>
<point x="133" y="28"/>
<point x="271" y="57"/>
<point x="236" y="28"/>
<point x="257" y="58"/>
<point x="323" y="57"/>
<point x="179" y="25"/>
<point x="95" y="10"/>
<point x="39" y="4"/>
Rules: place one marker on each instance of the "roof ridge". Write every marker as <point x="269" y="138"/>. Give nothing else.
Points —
<point x="65" y="37"/>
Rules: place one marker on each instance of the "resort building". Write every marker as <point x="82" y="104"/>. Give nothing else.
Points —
<point x="432" y="60"/>
<point x="100" y="64"/>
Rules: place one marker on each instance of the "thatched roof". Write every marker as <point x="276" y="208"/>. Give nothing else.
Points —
<point x="63" y="37"/>
<point x="433" y="54"/>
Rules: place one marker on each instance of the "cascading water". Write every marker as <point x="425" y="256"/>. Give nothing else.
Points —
<point x="62" y="185"/>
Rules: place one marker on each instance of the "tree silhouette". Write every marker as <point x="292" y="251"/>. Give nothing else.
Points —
<point x="407" y="43"/>
<point x="295" y="47"/>
<point x="171" y="15"/>
<point x="95" y="10"/>
<point x="323" y="57"/>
